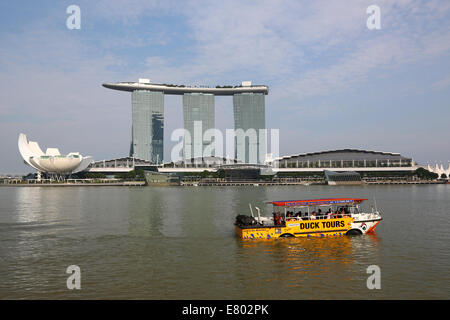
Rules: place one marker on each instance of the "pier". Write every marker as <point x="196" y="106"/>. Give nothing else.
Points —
<point x="69" y="183"/>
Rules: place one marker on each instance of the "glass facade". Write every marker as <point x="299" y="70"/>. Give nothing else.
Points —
<point x="199" y="116"/>
<point x="346" y="159"/>
<point x="147" y="137"/>
<point x="249" y="116"/>
<point x="331" y="176"/>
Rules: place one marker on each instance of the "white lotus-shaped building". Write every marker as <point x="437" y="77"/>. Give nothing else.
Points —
<point x="52" y="161"/>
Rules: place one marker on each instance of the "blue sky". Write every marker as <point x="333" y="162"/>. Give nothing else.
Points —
<point x="333" y="82"/>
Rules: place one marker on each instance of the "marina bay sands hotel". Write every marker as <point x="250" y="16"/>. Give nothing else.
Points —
<point x="147" y="104"/>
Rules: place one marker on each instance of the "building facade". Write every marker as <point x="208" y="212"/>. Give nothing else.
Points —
<point x="345" y="160"/>
<point x="147" y="136"/>
<point x="199" y="116"/>
<point x="249" y="118"/>
<point x="147" y="141"/>
<point x="52" y="162"/>
<point x="342" y="178"/>
<point x="340" y="164"/>
<point x="121" y="165"/>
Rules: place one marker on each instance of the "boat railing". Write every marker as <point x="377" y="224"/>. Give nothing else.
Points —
<point x="264" y="223"/>
<point x="268" y="222"/>
<point x="321" y="217"/>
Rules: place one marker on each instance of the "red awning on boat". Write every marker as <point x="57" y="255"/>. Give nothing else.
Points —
<point x="317" y="202"/>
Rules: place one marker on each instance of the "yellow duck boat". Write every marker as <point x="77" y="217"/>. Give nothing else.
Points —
<point x="306" y="218"/>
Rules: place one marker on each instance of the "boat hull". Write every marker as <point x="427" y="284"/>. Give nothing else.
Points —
<point x="366" y="226"/>
<point x="298" y="228"/>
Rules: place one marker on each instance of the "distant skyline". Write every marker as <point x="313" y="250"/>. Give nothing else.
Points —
<point x="333" y="83"/>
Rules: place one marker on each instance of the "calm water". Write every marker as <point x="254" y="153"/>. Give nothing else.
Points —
<point x="179" y="243"/>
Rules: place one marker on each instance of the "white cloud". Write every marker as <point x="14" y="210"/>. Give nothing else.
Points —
<point x="443" y="83"/>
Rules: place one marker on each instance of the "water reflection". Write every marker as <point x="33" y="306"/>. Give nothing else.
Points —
<point x="188" y="212"/>
<point x="197" y="211"/>
<point x="146" y="210"/>
<point x="179" y="243"/>
<point x="292" y="262"/>
<point x="242" y="196"/>
<point x="29" y="205"/>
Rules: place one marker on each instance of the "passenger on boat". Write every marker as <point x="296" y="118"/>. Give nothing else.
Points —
<point x="313" y="215"/>
<point x="347" y="211"/>
<point x="299" y="214"/>
<point x="330" y="214"/>
<point x="277" y="220"/>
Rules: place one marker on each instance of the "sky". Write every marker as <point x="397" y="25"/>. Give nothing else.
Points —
<point x="333" y="82"/>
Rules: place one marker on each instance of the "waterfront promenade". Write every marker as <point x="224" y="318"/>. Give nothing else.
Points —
<point x="208" y="182"/>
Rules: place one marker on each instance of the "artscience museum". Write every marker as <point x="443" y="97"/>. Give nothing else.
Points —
<point x="51" y="162"/>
